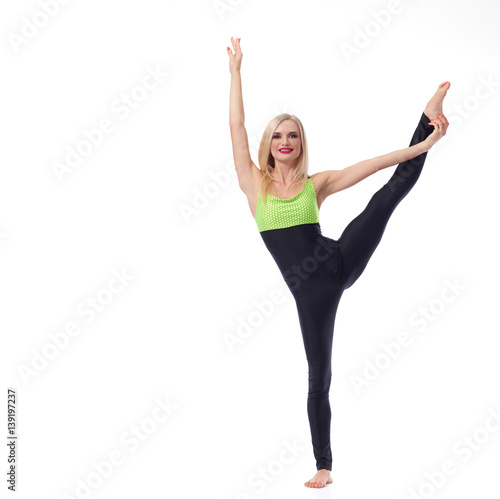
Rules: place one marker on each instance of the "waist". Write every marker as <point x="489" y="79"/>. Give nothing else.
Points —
<point x="299" y="245"/>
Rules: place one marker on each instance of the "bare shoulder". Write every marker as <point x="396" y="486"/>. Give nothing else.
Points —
<point x="253" y="189"/>
<point x="257" y="178"/>
<point x="319" y="180"/>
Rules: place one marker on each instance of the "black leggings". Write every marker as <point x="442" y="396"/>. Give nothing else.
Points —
<point x="318" y="269"/>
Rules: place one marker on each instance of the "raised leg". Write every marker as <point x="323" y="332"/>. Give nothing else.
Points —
<point x="362" y="236"/>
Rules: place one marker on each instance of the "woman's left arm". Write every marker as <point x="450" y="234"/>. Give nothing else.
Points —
<point x="332" y="181"/>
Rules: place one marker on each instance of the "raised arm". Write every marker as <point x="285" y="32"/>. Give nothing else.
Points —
<point x="332" y="181"/>
<point x="247" y="171"/>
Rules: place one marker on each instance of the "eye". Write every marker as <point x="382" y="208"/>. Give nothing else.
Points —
<point x="277" y="136"/>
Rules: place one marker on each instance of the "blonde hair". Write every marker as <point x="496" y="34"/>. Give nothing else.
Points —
<point x="266" y="159"/>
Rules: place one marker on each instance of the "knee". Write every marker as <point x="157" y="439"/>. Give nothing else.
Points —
<point x="405" y="177"/>
<point x="320" y="376"/>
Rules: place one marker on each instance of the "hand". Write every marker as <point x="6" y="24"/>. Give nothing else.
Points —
<point x="440" y="126"/>
<point x="235" y="60"/>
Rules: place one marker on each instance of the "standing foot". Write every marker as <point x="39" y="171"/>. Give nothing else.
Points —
<point x="320" y="479"/>
<point x="435" y="105"/>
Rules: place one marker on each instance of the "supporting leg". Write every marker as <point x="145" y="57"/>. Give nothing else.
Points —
<point x="317" y="309"/>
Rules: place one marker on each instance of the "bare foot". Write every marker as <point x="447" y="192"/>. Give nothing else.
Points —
<point x="320" y="479"/>
<point x="435" y="105"/>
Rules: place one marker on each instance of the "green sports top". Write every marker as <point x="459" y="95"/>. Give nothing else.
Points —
<point x="279" y="213"/>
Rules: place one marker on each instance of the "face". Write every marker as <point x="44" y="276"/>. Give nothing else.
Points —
<point x="286" y="136"/>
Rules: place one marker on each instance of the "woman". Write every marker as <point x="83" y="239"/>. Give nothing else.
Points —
<point x="285" y="202"/>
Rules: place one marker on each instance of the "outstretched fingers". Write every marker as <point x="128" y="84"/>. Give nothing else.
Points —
<point x="236" y="43"/>
<point x="235" y="59"/>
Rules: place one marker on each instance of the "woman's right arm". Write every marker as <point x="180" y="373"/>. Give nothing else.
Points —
<point x="248" y="172"/>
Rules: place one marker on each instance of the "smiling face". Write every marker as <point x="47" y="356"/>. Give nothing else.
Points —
<point x="285" y="142"/>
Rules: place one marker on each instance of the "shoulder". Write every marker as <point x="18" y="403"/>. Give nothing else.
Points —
<point x="319" y="179"/>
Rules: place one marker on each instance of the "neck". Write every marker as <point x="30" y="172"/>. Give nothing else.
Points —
<point x="283" y="172"/>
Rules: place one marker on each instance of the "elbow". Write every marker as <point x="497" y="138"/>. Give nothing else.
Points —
<point x="236" y="123"/>
<point x="376" y="164"/>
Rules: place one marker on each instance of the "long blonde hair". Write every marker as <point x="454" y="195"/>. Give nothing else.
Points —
<point x="266" y="159"/>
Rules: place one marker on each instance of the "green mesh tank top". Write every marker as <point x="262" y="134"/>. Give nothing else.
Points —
<point x="279" y="213"/>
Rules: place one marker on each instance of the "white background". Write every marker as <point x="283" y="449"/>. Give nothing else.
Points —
<point x="193" y="279"/>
